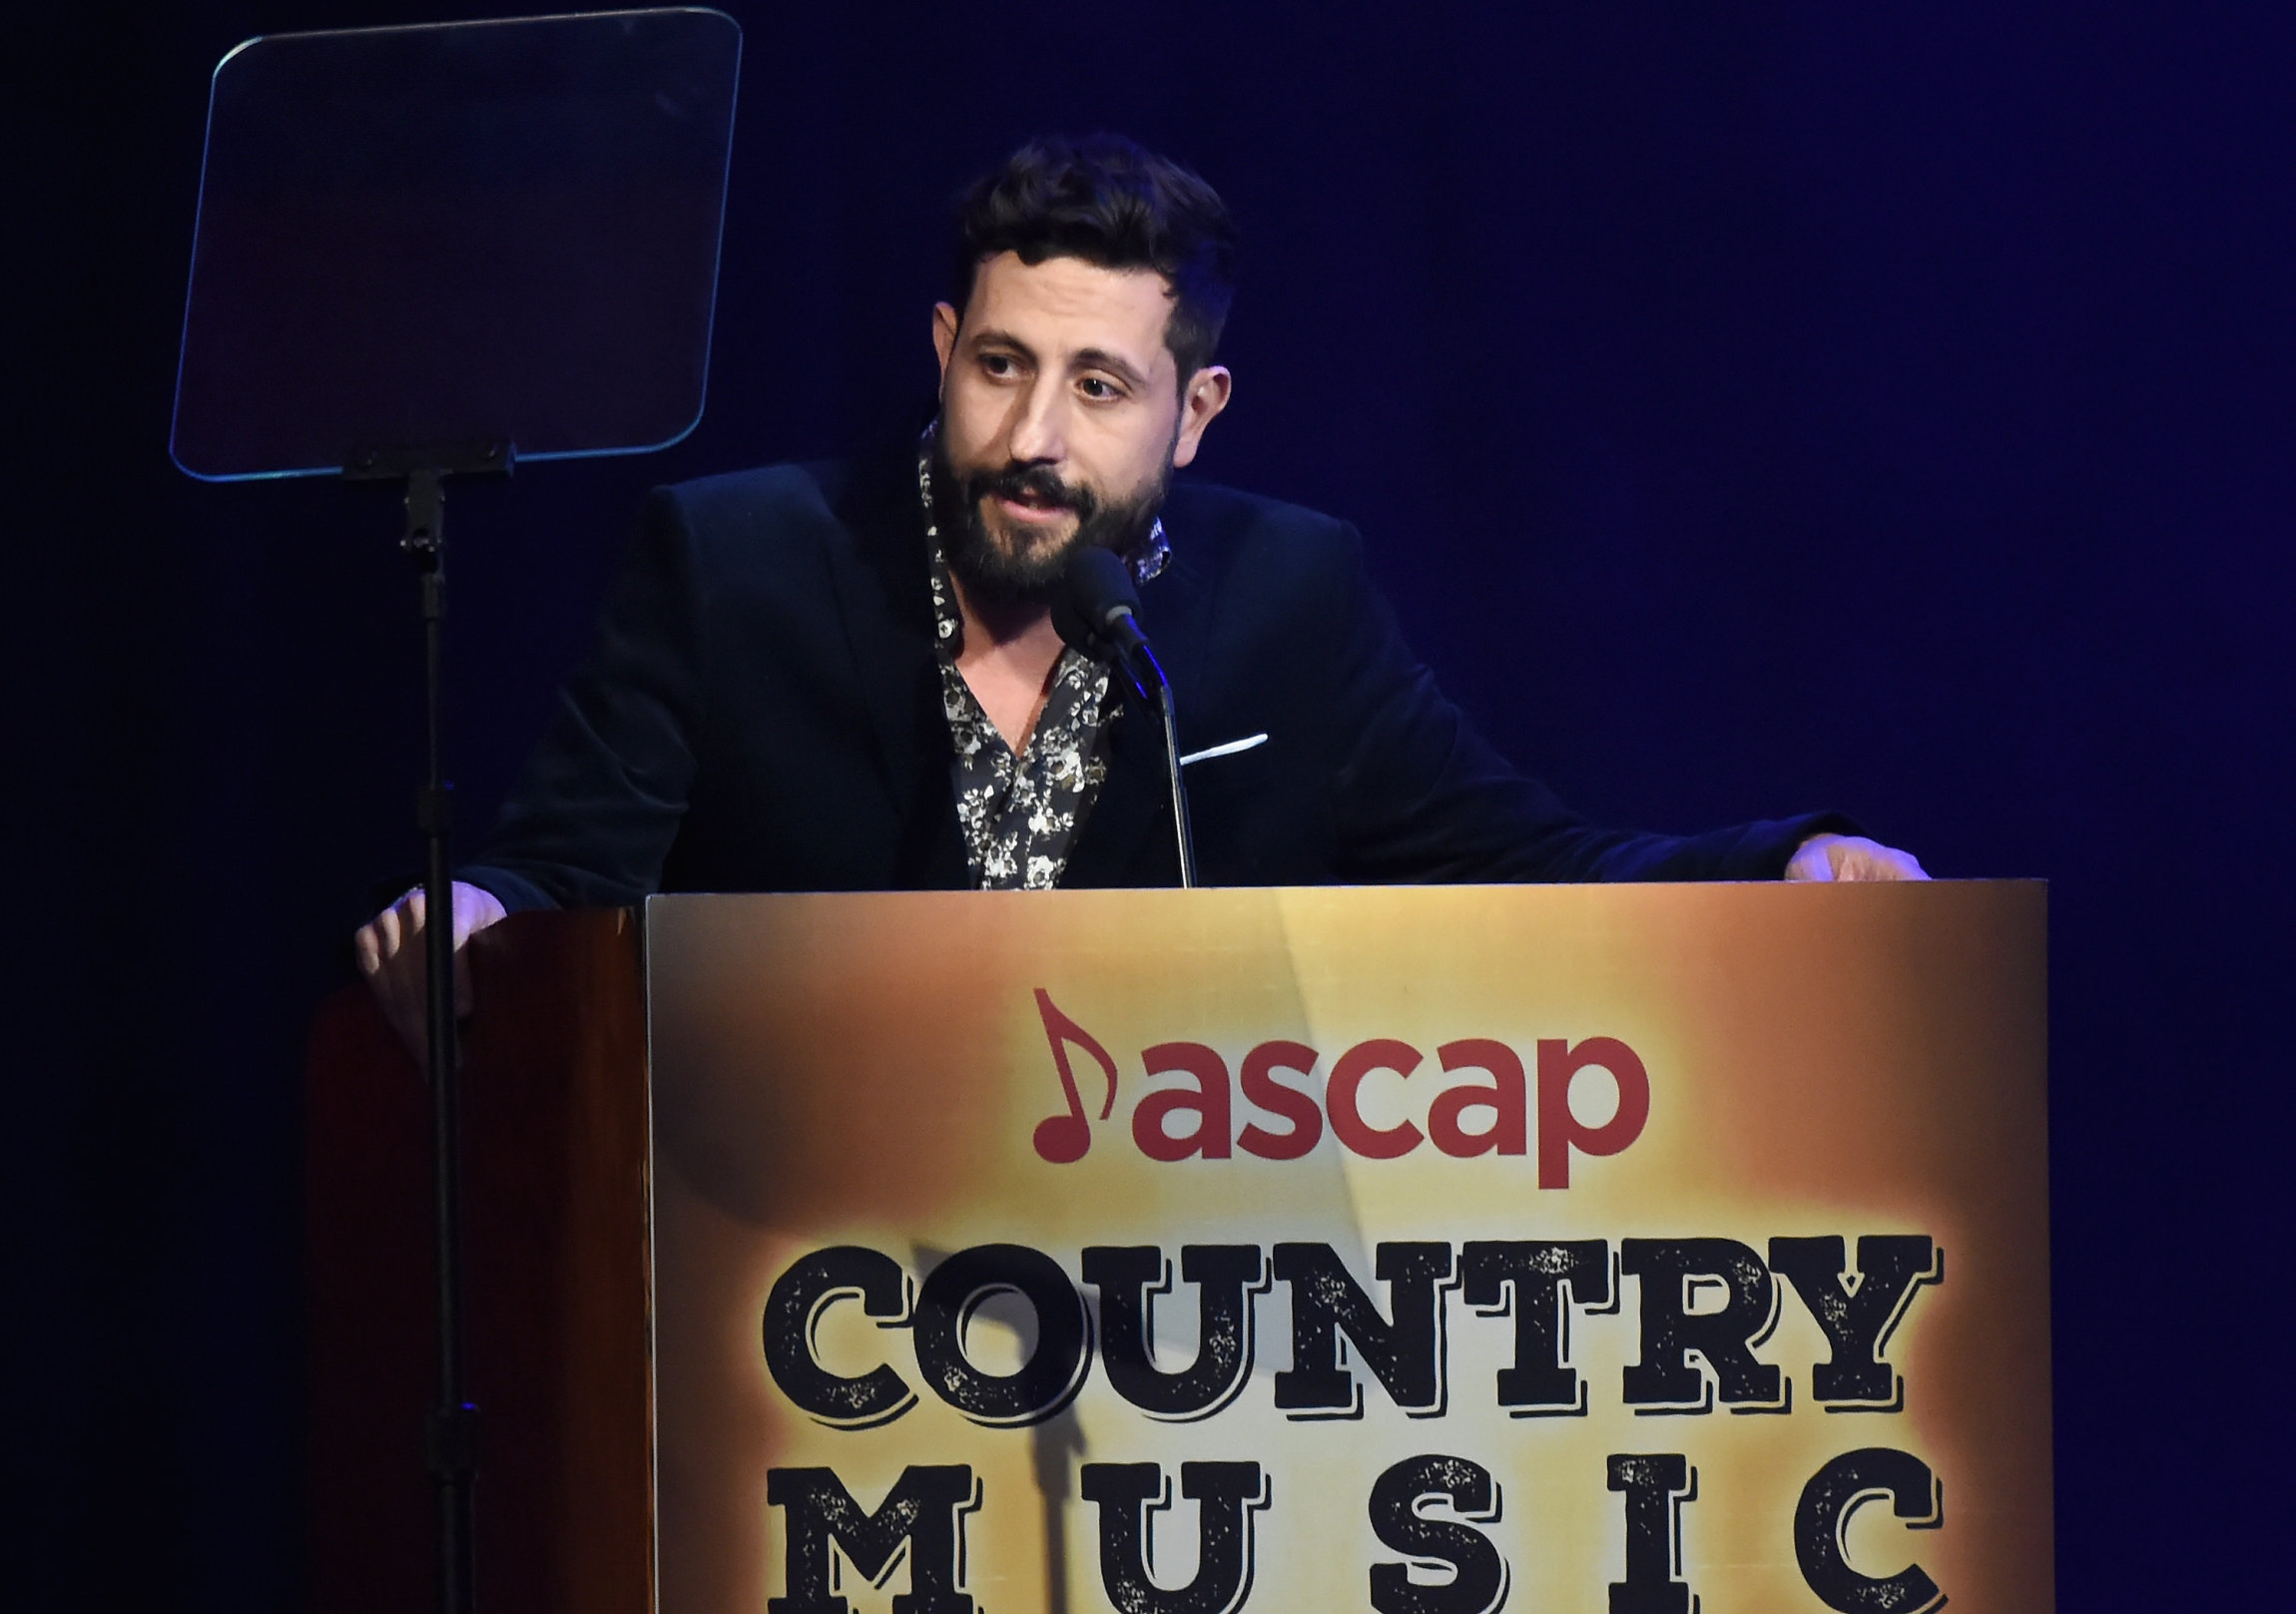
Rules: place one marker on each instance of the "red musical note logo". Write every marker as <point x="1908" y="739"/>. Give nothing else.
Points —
<point x="1066" y="1138"/>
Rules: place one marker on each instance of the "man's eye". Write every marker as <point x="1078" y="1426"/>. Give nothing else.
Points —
<point x="1000" y="364"/>
<point x="1099" y="390"/>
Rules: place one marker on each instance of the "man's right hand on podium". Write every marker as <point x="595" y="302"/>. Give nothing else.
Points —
<point x="390" y="956"/>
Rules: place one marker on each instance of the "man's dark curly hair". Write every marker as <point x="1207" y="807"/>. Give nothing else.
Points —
<point x="1111" y="202"/>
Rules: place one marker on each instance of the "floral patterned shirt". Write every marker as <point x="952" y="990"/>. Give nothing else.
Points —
<point x="1020" y="814"/>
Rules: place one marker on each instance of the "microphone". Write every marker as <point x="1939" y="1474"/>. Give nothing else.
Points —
<point x="1096" y="613"/>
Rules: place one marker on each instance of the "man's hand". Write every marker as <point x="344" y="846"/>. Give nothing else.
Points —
<point x="1852" y="858"/>
<point x="390" y="956"/>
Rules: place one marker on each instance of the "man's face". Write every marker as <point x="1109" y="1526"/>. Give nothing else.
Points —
<point x="1061" y="417"/>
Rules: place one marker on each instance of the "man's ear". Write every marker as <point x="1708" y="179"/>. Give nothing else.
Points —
<point x="1201" y="400"/>
<point x="944" y="335"/>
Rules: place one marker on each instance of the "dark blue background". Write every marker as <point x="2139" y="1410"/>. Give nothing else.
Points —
<point x="1750" y="407"/>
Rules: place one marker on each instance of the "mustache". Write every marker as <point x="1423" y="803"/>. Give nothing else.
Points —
<point x="1038" y="484"/>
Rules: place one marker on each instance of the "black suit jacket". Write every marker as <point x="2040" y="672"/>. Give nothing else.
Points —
<point x="761" y="713"/>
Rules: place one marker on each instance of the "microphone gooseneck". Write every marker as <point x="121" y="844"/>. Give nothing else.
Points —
<point x="1097" y="613"/>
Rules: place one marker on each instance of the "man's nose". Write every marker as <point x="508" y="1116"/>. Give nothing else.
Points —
<point x="1040" y="423"/>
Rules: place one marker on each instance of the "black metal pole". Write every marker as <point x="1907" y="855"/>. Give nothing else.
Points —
<point x="451" y="1430"/>
<point x="1181" y="829"/>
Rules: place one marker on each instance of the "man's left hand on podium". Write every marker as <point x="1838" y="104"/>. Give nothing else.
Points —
<point x="1852" y="858"/>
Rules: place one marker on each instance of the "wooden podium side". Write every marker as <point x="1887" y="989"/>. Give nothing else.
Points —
<point x="555" y="1287"/>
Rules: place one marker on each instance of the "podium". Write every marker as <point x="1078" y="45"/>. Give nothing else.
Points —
<point x="1619" y="1247"/>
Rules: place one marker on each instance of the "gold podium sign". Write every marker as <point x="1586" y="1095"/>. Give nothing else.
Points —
<point x="1595" y="1250"/>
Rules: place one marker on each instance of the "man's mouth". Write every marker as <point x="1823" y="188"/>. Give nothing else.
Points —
<point x="1028" y="508"/>
<point x="1033" y="508"/>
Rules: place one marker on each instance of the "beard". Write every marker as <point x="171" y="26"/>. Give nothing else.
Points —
<point x="1024" y="568"/>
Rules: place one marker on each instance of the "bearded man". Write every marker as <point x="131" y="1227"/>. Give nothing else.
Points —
<point x="846" y="677"/>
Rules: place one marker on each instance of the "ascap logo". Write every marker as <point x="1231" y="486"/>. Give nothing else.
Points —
<point x="1483" y="1104"/>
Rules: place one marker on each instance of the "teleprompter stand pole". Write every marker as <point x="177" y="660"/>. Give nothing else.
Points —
<point x="451" y="1427"/>
<point x="452" y="1434"/>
